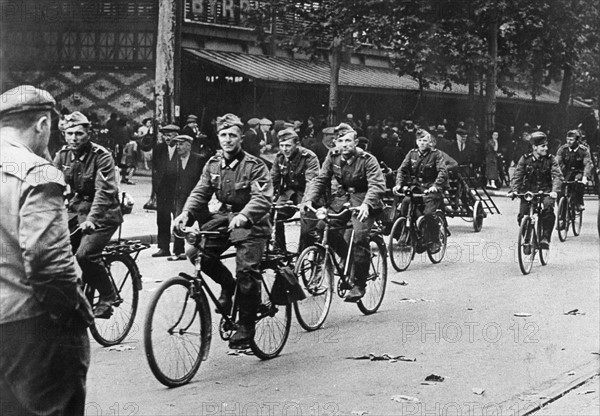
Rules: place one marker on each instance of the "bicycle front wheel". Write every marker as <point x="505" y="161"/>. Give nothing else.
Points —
<point x="273" y="323"/>
<point x="377" y="279"/>
<point x="526" y="246"/>
<point x="314" y="270"/>
<point x="576" y="218"/>
<point x="124" y="273"/>
<point x="438" y="255"/>
<point x="401" y="245"/>
<point x="176" y="332"/>
<point x="562" y="222"/>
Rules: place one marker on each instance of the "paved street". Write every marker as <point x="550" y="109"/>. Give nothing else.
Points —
<point x="456" y="319"/>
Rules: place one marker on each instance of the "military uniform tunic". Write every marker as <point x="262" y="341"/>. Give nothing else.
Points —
<point x="574" y="163"/>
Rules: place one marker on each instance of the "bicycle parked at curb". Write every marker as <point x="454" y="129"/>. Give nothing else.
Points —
<point x="407" y="235"/>
<point x="530" y="231"/>
<point x="318" y="265"/>
<point x="178" y="325"/>
<point x="119" y="259"/>
<point x="569" y="214"/>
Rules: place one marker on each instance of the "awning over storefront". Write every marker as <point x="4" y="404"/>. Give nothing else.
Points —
<point x="273" y="69"/>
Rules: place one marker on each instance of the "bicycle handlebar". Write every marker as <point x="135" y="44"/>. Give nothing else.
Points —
<point x="185" y="231"/>
<point x="286" y="204"/>
<point x="530" y="195"/>
<point x="328" y="214"/>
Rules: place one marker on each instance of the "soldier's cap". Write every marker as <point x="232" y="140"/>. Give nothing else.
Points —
<point x="461" y="132"/>
<point x="287" y="125"/>
<point x="183" y="138"/>
<point x="253" y="122"/>
<point x="329" y="130"/>
<point x="228" y="120"/>
<point x="191" y="117"/>
<point x="538" y="138"/>
<point x="266" y="122"/>
<point x="574" y="133"/>
<point x="25" y="98"/>
<point x="287" y="134"/>
<point x="170" y="128"/>
<point x="343" y="129"/>
<point x="441" y="129"/>
<point x="74" y="119"/>
<point x="421" y="133"/>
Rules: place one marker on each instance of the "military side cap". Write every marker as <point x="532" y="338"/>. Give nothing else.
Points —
<point x="538" y="138"/>
<point x="343" y="129"/>
<point x="227" y="121"/>
<point x="191" y="117"/>
<point x="183" y="138"/>
<point x="573" y="133"/>
<point x="25" y="98"/>
<point x="287" y="134"/>
<point x="266" y="122"/>
<point x="74" y="119"/>
<point x="253" y="121"/>
<point x="421" y="133"/>
<point x="329" y="130"/>
<point x="170" y="128"/>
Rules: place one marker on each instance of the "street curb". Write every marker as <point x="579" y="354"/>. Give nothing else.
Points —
<point x="525" y="404"/>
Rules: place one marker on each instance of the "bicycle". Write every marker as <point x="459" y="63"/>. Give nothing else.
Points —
<point x="406" y="238"/>
<point x="568" y="212"/>
<point x="119" y="258"/>
<point x="530" y="230"/>
<point x="177" y="329"/>
<point x="318" y="265"/>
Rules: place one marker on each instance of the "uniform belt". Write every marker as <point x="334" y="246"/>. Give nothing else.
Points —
<point x="354" y="189"/>
<point x="231" y="208"/>
<point x="86" y="198"/>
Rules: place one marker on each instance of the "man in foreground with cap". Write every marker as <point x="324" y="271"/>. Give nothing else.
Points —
<point x="189" y="170"/>
<point x="538" y="171"/>
<point x="576" y="164"/>
<point x="164" y="175"/>
<point x="424" y="167"/>
<point x="89" y="171"/>
<point x="363" y="185"/>
<point x="44" y="348"/>
<point x="241" y="182"/>
<point x="293" y="169"/>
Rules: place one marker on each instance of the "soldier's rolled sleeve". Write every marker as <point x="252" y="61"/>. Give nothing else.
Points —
<point x="516" y="182"/>
<point x="557" y="176"/>
<point x="403" y="175"/>
<point x="376" y="183"/>
<point x="321" y="182"/>
<point x="442" y="177"/>
<point x="261" y="194"/>
<point x="106" y="190"/>
<point x="198" y="199"/>
<point x="45" y="245"/>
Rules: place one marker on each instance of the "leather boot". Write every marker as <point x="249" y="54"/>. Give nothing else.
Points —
<point x="245" y="332"/>
<point x="225" y="299"/>
<point x="361" y="272"/>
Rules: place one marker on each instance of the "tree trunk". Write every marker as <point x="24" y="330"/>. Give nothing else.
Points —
<point x="562" y="110"/>
<point x="165" y="61"/>
<point x="491" y="81"/>
<point x="335" y="64"/>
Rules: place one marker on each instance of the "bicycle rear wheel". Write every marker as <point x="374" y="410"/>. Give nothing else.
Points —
<point x="544" y="252"/>
<point x="438" y="255"/>
<point x="176" y="332"/>
<point x="377" y="279"/>
<point x="562" y="222"/>
<point x="478" y="216"/>
<point x="576" y="218"/>
<point x="401" y="245"/>
<point x="124" y="274"/>
<point x="314" y="272"/>
<point x="273" y="323"/>
<point x="526" y="246"/>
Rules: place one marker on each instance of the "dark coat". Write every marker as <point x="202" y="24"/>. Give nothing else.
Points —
<point x="188" y="178"/>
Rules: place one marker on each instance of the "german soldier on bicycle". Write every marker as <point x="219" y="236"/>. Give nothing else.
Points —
<point x="293" y="169"/>
<point x="576" y="164"/>
<point x="424" y="167"/>
<point x="242" y="183"/>
<point x="362" y="184"/>
<point x="538" y="171"/>
<point x="89" y="171"/>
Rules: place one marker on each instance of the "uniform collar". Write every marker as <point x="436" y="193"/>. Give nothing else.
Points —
<point x="85" y="150"/>
<point x="234" y="161"/>
<point x="424" y="152"/>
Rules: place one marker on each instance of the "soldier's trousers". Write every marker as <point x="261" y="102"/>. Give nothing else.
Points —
<point x="89" y="258"/>
<point x="308" y="226"/>
<point x="361" y="246"/>
<point x="431" y="202"/>
<point x="546" y="217"/>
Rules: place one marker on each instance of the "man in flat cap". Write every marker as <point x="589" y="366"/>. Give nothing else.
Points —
<point x="362" y="184"/>
<point x="293" y="169"/>
<point x="575" y="161"/>
<point x="89" y="171"/>
<point x="44" y="348"/>
<point x="242" y="183"/>
<point x="201" y="143"/>
<point x="326" y="143"/>
<point x="265" y="136"/>
<point x="189" y="170"/>
<point x="164" y="175"/>
<point x="424" y="167"/>
<point x="251" y="142"/>
<point x="538" y="171"/>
